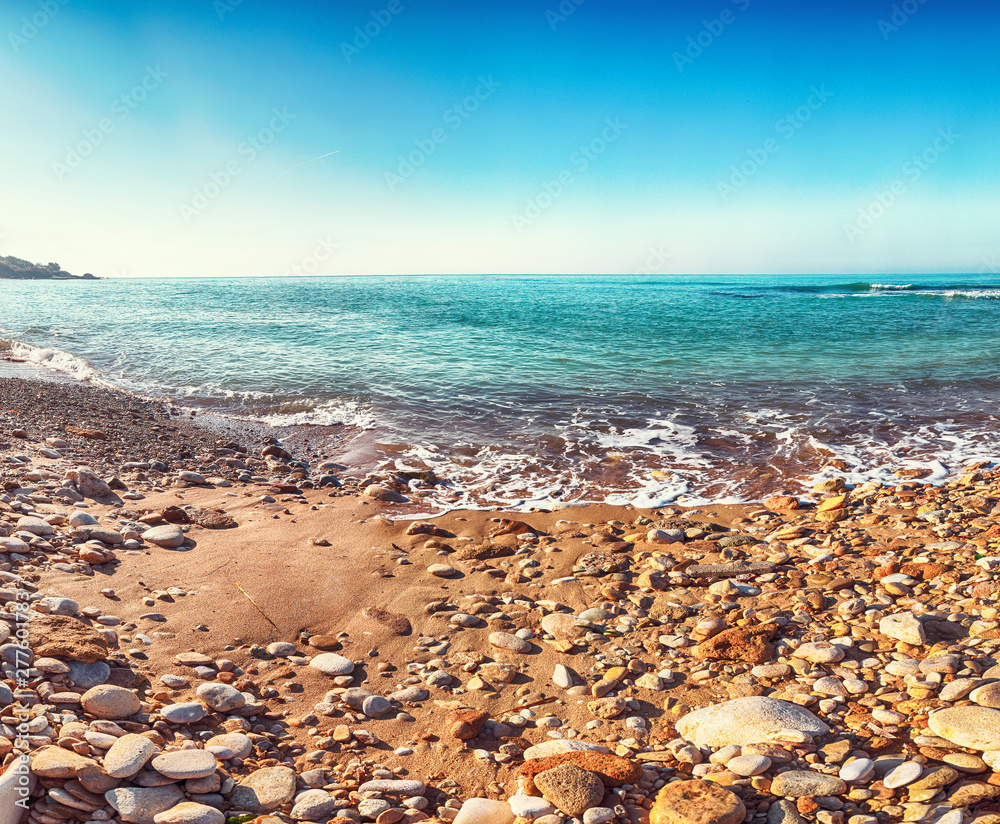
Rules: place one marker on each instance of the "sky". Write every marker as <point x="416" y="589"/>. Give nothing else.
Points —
<point x="240" y="137"/>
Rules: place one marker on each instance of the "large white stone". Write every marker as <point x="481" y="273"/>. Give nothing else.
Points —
<point x="977" y="728"/>
<point x="753" y="720"/>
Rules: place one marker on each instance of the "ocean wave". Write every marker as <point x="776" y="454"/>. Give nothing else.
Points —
<point x="54" y="360"/>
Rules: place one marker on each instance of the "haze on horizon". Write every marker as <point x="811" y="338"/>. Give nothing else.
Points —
<point x="234" y="137"/>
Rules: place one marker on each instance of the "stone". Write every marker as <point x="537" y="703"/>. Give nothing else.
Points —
<point x="36" y="526"/>
<point x="264" y="790"/>
<point x="55" y="762"/>
<point x="329" y="663"/>
<point x="563" y="626"/>
<point x="371" y="808"/>
<point x="87" y="675"/>
<point x="559" y="746"/>
<point x="107" y="701"/>
<point x="60" y="636"/>
<point x="613" y="770"/>
<point x="61" y="606"/>
<point x="375" y="705"/>
<point x="16" y="785"/>
<point x="484" y="811"/>
<point x="509" y="642"/>
<point x="972" y="727"/>
<point x="394" y="786"/>
<point x="465" y="724"/>
<point x="188" y="712"/>
<point x="383" y="494"/>
<point x="169" y="537"/>
<point x="784" y="812"/>
<point x="598" y="815"/>
<point x="751" y="720"/>
<point x="748" y="645"/>
<point x="184" y="764"/>
<point x="905" y="773"/>
<point x="696" y="802"/>
<point x="139" y="805"/>
<point x="987" y="695"/>
<point x="128" y="755"/>
<point x="858" y="770"/>
<point x="189" y="812"/>
<point x="314" y="805"/>
<point x="806" y="784"/>
<point x="820" y="652"/>
<point x="530" y="806"/>
<point x="905" y="627"/>
<point x="221" y="697"/>
<point x="571" y="788"/>
<point x="229" y="745"/>
<point x="749" y="765"/>
<point x="608" y="708"/>
<point x="89" y="484"/>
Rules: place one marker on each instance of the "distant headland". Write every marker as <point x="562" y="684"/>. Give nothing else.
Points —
<point x="15" y="268"/>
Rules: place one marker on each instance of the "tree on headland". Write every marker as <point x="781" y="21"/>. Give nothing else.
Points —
<point x="20" y="269"/>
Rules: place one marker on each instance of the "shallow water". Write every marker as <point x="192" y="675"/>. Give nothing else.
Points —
<point x="560" y="388"/>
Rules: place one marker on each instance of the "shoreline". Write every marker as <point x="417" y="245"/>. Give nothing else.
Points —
<point x="335" y="642"/>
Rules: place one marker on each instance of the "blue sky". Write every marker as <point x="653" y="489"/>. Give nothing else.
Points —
<point x="178" y="138"/>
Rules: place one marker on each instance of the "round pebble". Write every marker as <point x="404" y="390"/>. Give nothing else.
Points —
<point x="905" y="773"/>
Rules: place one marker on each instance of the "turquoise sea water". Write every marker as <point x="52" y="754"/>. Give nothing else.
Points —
<point x="559" y="388"/>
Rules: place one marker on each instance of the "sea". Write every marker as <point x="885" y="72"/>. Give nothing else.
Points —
<point x="539" y="391"/>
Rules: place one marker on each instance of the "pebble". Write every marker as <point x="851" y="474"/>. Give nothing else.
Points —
<point x="184" y="713"/>
<point x="857" y="770"/>
<point x="189" y="812"/>
<point x="749" y="765"/>
<point x="329" y="663"/>
<point x="107" y="701"/>
<point x="509" y="642"/>
<point x="905" y="627"/>
<point x="747" y="721"/>
<point x="168" y="537"/>
<point x="530" y="807"/>
<point x="972" y="727"/>
<point x="905" y="773"/>
<point x="442" y="570"/>
<point x="184" y="764"/>
<point x="127" y="755"/>
<point x="221" y="697"/>
<point x="804" y="783"/>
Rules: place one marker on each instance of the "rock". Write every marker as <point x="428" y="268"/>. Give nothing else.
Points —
<point x="820" y="652"/>
<point x="139" y="805"/>
<point x="394" y="786"/>
<point x="608" y="708"/>
<point x="221" y="697"/>
<point x="377" y="492"/>
<point x="106" y="701"/>
<point x="55" y="762"/>
<point x="973" y="727"/>
<point x="229" y="745"/>
<point x="563" y="627"/>
<point x="465" y="724"/>
<point x="61" y="606"/>
<point x="860" y="769"/>
<point x="410" y="695"/>
<point x="89" y="484"/>
<point x="168" y="537"/>
<point x="530" y="806"/>
<point x="745" y="644"/>
<point x="508" y="641"/>
<point x="903" y="626"/>
<point x="484" y="811"/>
<point x="36" y="526"/>
<point x="264" y="790"/>
<point x="188" y="712"/>
<point x="748" y="765"/>
<point x="427" y="528"/>
<point x="188" y="812"/>
<point x="696" y="802"/>
<point x="783" y="812"/>
<point x="905" y="773"/>
<point x="375" y="705"/>
<point x="560" y="745"/>
<point x="212" y="519"/>
<point x="329" y="663"/>
<point x="313" y="805"/>
<point x="184" y="764"/>
<point x="128" y="755"/>
<point x="613" y="770"/>
<point x="806" y="783"/>
<point x="63" y="637"/>
<point x="751" y="720"/>
<point x="87" y="675"/>
<point x="571" y="788"/>
<point x="442" y="570"/>
<point x="598" y="815"/>
<point x="16" y="785"/>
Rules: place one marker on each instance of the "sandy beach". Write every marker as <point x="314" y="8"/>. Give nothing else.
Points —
<point x="231" y="588"/>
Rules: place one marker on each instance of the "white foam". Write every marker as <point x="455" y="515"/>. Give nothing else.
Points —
<point x="54" y="360"/>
